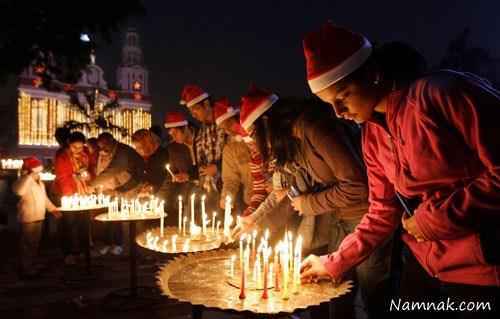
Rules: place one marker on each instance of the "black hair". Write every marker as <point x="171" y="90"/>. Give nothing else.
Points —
<point x="397" y="63"/>
<point x="76" y="137"/>
<point x="106" y="137"/>
<point x="61" y="135"/>
<point x="275" y="127"/>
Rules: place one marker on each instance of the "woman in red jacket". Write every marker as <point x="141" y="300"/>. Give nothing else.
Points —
<point x="435" y="140"/>
<point x="73" y="171"/>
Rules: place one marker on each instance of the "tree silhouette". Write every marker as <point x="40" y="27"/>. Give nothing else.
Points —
<point x="48" y="33"/>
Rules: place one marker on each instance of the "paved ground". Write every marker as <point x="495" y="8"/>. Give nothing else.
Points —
<point x="58" y="295"/>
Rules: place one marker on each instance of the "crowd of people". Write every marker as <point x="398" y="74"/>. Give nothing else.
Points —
<point x="393" y="172"/>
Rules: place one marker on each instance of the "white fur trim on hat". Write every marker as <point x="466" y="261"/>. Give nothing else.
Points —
<point x="197" y="99"/>
<point x="37" y="169"/>
<point x="263" y="107"/>
<point x="176" y="124"/>
<point x="342" y="70"/>
<point x="230" y="112"/>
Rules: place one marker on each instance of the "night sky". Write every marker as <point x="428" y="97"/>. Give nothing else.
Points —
<point x="225" y="45"/>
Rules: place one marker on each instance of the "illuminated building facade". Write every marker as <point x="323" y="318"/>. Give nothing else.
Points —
<point x="40" y="111"/>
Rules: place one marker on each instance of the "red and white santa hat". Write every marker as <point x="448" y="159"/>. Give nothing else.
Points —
<point x="333" y="53"/>
<point x="175" y="119"/>
<point x="223" y="110"/>
<point x="255" y="103"/>
<point x="192" y="94"/>
<point x="33" y="164"/>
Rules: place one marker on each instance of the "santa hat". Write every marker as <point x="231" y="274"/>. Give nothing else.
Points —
<point x="192" y="94"/>
<point x="33" y="164"/>
<point x="254" y="104"/>
<point x="333" y="53"/>
<point x="175" y="119"/>
<point x="223" y="110"/>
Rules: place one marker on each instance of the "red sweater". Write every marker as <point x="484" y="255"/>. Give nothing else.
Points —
<point x="441" y="144"/>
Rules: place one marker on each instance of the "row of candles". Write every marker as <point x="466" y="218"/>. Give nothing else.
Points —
<point x="9" y="163"/>
<point x="77" y="201"/>
<point x="285" y="267"/>
<point x="194" y="229"/>
<point x="162" y="244"/>
<point x="123" y="209"/>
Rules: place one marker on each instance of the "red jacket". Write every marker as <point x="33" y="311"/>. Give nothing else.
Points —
<point x="65" y="182"/>
<point x="441" y="144"/>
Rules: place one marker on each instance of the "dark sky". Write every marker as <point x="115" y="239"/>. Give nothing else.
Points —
<point x="225" y="45"/>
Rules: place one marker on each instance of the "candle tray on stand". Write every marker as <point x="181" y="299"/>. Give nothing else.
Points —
<point x="201" y="280"/>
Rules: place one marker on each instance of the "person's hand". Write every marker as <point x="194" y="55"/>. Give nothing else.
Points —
<point x="56" y="213"/>
<point x="181" y="178"/>
<point x="411" y="227"/>
<point x="280" y="194"/>
<point x="297" y="203"/>
<point x="246" y="225"/>
<point x="209" y="170"/>
<point x="313" y="270"/>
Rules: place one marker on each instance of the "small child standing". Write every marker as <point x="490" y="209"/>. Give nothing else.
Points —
<point x="31" y="210"/>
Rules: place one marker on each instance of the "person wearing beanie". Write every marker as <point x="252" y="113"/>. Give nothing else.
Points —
<point x="431" y="148"/>
<point x="329" y="187"/>
<point x="242" y="165"/>
<point x="31" y="210"/>
<point x="209" y="140"/>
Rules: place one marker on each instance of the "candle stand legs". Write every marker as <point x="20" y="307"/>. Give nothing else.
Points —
<point x="134" y="296"/>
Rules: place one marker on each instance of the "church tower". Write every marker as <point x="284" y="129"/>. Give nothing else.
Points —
<point x="132" y="76"/>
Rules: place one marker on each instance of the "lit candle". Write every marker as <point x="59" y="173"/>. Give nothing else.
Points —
<point x="185" y="248"/>
<point x="214" y="214"/>
<point x="285" y="272"/>
<point x="277" y="250"/>
<point x="170" y="171"/>
<point x="266" y="254"/>
<point x="193" y="196"/>
<point x="180" y="214"/>
<point x="271" y="271"/>
<point x="218" y="227"/>
<point x="231" y="266"/>
<point x="227" y="216"/>
<point x="242" y="283"/>
<point x="254" y="236"/>
<point x="162" y="221"/>
<point x="258" y="266"/>
<point x="242" y="238"/>
<point x="203" y="215"/>
<point x="174" y="243"/>
<point x="184" y="226"/>
<point x="297" y="265"/>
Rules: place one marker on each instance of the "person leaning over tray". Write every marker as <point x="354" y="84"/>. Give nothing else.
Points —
<point x="433" y="138"/>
